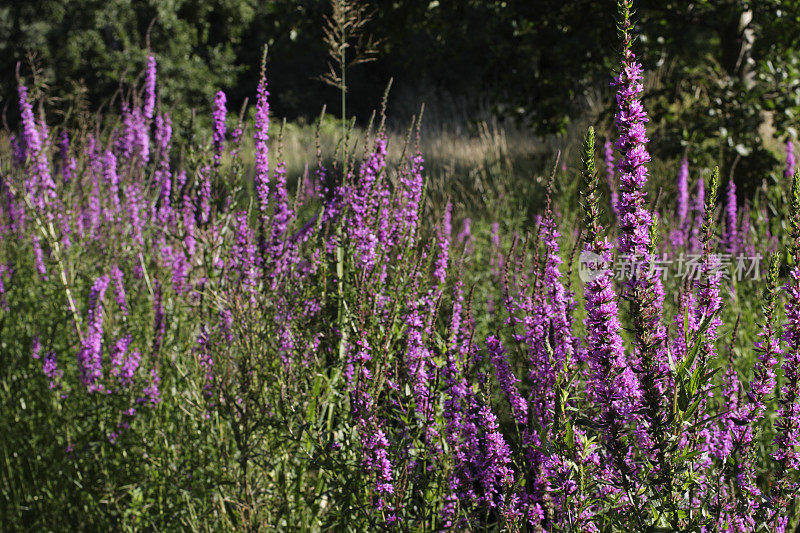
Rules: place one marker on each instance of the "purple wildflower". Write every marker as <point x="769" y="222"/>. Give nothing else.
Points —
<point x="38" y="256"/>
<point x="206" y="361"/>
<point x="163" y="175"/>
<point x="134" y="204"/>
<point x="36" y="347"/>
<point x="281" y="216"/>
<point x="126" y="139"/>
<point x="111" y="177"/>
<point x="141" y="135"/>
<point x="204" y="197"/>
<point x="151" y="392"/>
<point x="119" y="289"/>
<point x="679" y="234"/>
<point x="683" y="191"/>
<point x="68" y="163"/>
<point x="40" y="185"/>
<point x="18" y="150"/>
<point x="507" y="379"/>
<point x="411" y="182"/>
<point x="768" y="347"/>
<point x="465" y="236"/>
<point x="698" y="207"/>
<point x="495" y="473"/>
<point x="150" y="88"/>
<point x="731" y="217"/>
<point x="787" y="440"/>
<point x="220" y="113"/>
<point x="787" y="425"/>
<point x="124" y="364"/>
<point x="51" y="370"/>
<point x="610" y="177"/>
<point x="261" y="137"/>
<point x="189" y="222"/>
<point x="90" y="360"/>
<point x="644" y="290"/>
<point x="445" y="232"/>
<point x="244" y="257"/>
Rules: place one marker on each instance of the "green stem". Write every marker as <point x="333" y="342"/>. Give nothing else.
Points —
<point x="344" y="101"/>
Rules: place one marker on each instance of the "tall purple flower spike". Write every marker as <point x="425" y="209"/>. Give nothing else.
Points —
<point x="220" y="113"/>
<point x="150" y="88"/>
<point x="644" y="291"/>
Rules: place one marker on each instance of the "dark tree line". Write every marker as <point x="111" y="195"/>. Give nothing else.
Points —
<point x="720" y="68"/>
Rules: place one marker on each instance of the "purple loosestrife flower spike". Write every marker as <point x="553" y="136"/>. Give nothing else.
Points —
<point x="495" y="474"/>
<point x="465" y="236"/>
<point x="220" y="113"/>
<point x="90" y="360"/>
<point x="111" y="177"/>
<point x="365" y="199"/>
<point x="440" y="271"/>
<point x="51" y="370"/>
<point x="180" y="180"/>
<point x="141" y="135"/>
<point x="36" y="347"/>
<point x="644" y="291"/>
<point x="282" y="214"/>
<point x="150" y="88"/>
<point x="261" y="137"/>
<point x="678" y="235"/>
<point x="126" y="139"/>
<point x="630" y="118"/>
<point x="787" y="425"/>
<point x="373" y="439"/>
<point x="709" y="301"/>
<point x="244" y="256"/>
<point x="189" y="223"/>
<point x="18" y="150"/>
<point x="124" y="364"/>
<point x="68" y="163"/>
<point x="507" y="379"/>
<point x="610" y="384"/>
<point x="119" y="289"/>
<point x="698" y="208"/>
<point x="610" y="176"/>
<point x="683" y="192"/>
<point x="163" y="175"/>
<point x="33" y="142"/>
<point x="411" y="183"/>
<point x="731" y="217"/>
<point x="768" y="346"/>
<point x="176" y="260"/>
<point x="40" y="185"/>
<point x="204" y="195"/>
<point x="151" y="392"/>
<point x="134" y="205"/>
<point x="38" y="256"/>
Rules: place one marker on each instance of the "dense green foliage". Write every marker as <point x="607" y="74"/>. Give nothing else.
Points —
<point x="724" y="67"/>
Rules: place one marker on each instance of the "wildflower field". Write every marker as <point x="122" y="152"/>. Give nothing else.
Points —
<point x="197" y="336"/>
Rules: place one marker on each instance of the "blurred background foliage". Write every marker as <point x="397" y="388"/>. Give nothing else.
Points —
<point x="724" y="81"/>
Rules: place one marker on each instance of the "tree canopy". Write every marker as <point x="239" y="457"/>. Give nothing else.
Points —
<point x="719" y="70"/>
